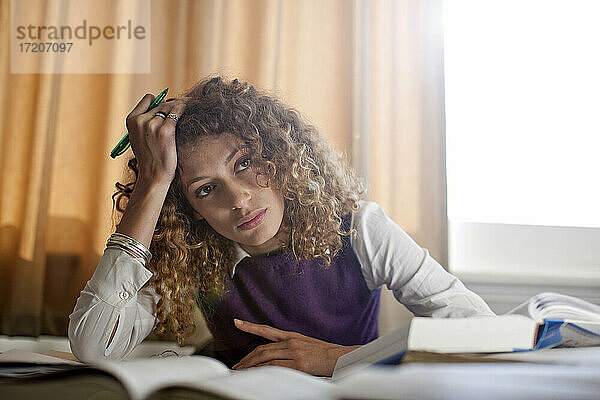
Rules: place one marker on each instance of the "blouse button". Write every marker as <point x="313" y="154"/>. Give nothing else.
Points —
<point x="124" y="295"/>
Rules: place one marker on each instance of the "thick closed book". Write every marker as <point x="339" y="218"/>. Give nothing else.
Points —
<point x="546" y="320"/>
<point x="444" y="335"/>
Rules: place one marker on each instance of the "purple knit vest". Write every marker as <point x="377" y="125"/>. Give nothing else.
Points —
<point x="333" y="304"/>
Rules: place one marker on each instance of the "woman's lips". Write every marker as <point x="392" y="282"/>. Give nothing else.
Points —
<point x="254" y="222"/>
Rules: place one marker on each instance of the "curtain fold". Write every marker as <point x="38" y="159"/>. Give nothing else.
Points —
<point x="398" y="129"/>
<point x="368" y="74"/>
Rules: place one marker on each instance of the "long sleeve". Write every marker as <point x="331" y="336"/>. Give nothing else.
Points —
<point x="115" y="293"/>
<point x="389" y="256"/>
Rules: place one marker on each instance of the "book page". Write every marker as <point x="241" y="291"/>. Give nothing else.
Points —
<point x="22" y="364"/>
<point x="568" y="312"/>
<point x="376" y="350"/>
<point x="23" y="356"/>
<point x="558" y="306"/>
<point x="259" y="383"/>
<point x="580" y="334"/>
<point x="62" y="354"/>
<point x="143" y="376"/>
<point x="521" y="309"/>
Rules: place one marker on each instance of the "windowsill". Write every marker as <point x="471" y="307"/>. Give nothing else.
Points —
<point x="528" y="278"/>
<point x="502" y="295"/>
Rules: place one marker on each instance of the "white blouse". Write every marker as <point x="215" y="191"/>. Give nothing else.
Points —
<point x="387" y="256"/>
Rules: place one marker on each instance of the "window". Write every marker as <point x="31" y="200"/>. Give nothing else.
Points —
<point x="522" y="81"/>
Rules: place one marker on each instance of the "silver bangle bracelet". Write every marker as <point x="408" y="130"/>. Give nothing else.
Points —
<point x="130" y="246"/>
<point x="129" y="251"/>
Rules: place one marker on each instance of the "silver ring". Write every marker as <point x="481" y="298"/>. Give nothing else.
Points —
<point x="160" y="114"/>
<point x="174" y="117"/>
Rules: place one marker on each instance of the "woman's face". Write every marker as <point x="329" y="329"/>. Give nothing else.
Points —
<point x="220" y="183"/>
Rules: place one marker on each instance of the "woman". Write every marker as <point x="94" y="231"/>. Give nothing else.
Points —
<point x="248" y="212"/>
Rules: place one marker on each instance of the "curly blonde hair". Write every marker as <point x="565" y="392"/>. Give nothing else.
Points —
<point x="190" y="259"/>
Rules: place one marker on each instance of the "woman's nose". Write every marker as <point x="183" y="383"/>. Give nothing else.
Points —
<point x="240" y="198"/>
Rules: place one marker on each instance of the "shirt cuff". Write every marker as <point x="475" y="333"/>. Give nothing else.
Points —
<point x="118" y="277"/>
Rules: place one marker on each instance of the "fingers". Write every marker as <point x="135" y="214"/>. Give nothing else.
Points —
<point x="148" y="123"/>
<point x="154" y="122"/>
<point x="265" y="353"/>
<point x="278" y="363"/>
<point x="141" y="106"/>
<point x="152" y="138"/>
<point x="150" y="118"/>
<point x="163" y="131"/>
<point x="304" y="353"/>
<point x="265" y="331"/>
<point x="177" y="110"/>
<point x="139" y="116"/>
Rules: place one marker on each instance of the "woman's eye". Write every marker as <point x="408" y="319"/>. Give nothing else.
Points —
<point x="244" y="163"/>
<point x="204" y="190"/>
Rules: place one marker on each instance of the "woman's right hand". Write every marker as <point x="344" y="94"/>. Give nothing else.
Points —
<point x="153" y="140"/>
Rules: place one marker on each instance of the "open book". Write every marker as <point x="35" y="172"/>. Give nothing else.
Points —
<point x="546" y="320"/>
<point x="568" y="321"/>
<point x="195" y="377"/>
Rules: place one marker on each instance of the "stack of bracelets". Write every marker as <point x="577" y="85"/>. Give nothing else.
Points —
<point x="130" y="246"/>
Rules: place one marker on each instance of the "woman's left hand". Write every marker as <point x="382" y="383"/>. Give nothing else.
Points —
<point x="292" y="350"/>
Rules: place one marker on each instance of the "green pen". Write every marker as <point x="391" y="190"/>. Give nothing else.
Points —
<point x="124" y="143"/>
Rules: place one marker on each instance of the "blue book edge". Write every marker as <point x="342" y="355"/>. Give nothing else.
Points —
<point x="392" y="360"/>
<point x="549" y="333"/>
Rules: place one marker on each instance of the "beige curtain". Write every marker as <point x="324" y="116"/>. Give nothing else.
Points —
<point x="398" y="128"/>
<point x="367" y="73"/>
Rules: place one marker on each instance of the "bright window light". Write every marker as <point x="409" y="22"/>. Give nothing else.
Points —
<point x="522" y="81"/>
